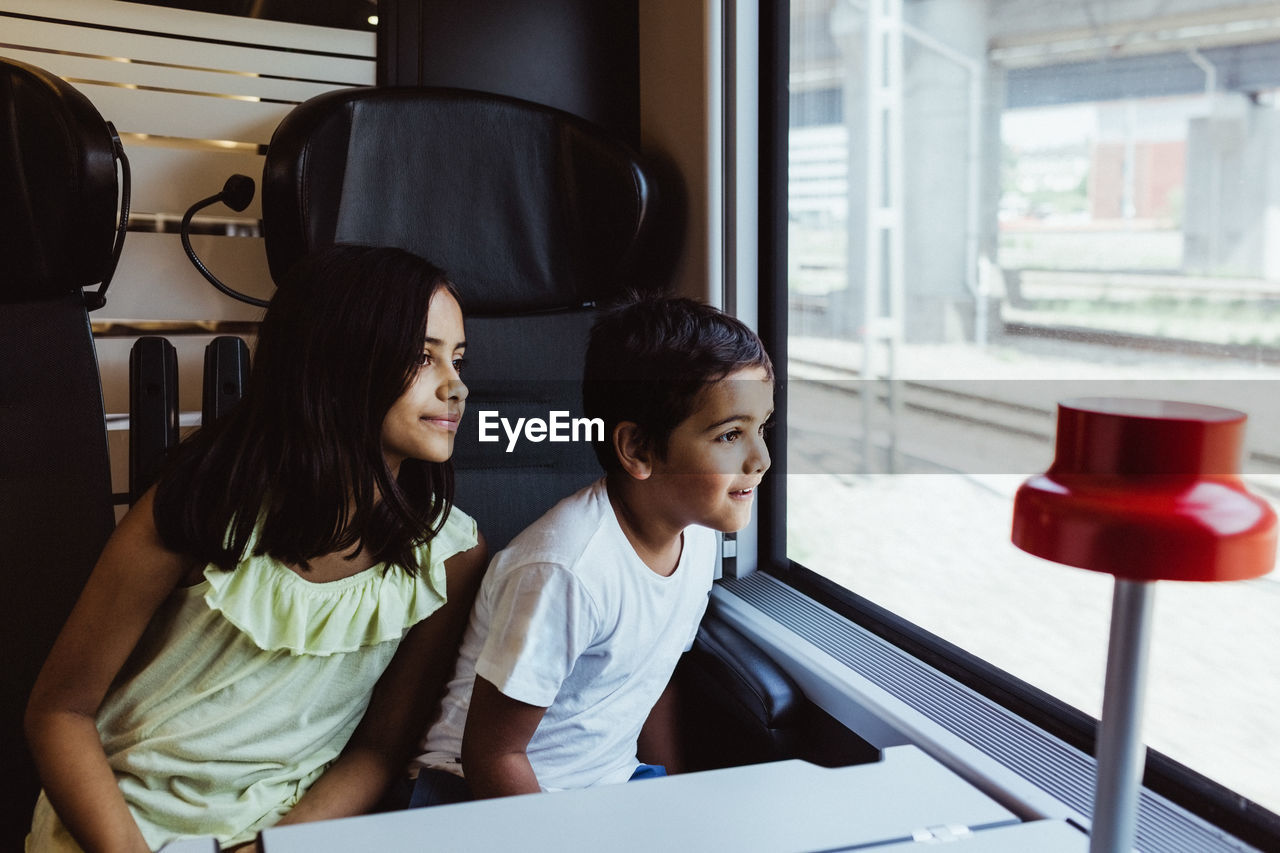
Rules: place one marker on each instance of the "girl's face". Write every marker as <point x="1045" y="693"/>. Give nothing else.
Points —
<point x="422" y="423"/>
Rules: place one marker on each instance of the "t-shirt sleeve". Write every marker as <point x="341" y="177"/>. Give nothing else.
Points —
<point x="542" y="621"/>
<point x="693" y="628"/>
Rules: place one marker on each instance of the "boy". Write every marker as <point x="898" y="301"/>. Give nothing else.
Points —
<point x="564" y="673"/>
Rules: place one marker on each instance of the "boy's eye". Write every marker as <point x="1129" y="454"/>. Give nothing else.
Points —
<point x="458" y="364"/>
<point x="766" y="427"/>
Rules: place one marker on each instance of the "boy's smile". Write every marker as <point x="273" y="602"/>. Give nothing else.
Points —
<point x="716" y="457"/>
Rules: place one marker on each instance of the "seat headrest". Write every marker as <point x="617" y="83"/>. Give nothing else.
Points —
<point x="58" y="187"/>
<point x="526" y="207"/>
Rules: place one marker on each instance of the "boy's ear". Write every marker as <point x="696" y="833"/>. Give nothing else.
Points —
<point x="632" y="450"/>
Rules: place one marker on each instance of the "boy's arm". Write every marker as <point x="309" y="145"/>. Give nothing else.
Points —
<point x="542" y="620"/>
<point x="659" y="741"/>
<point x="495" y="741"/>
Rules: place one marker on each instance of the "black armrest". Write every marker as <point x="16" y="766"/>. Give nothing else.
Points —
<point x="748" y="678"/>
<point x="741" y="707"/>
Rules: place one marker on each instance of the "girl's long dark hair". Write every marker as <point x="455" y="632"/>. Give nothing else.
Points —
<point x="300" y="456"/>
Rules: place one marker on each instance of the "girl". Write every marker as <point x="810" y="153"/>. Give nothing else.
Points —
<point x="268" y="627"/>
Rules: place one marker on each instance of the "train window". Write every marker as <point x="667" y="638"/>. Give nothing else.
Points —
<point x="992" y="207"/>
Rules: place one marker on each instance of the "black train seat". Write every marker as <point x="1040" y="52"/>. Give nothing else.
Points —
<point x="535" y="214"/>
<point x="58" y="203"/>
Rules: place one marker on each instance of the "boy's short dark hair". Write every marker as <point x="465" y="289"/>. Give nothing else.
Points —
<point x="649" y="357"/>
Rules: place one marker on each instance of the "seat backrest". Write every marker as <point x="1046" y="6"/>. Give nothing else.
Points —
<point x="536" y="215"/>
<point x="58" y="202"/>
<point x="58" y="185"/>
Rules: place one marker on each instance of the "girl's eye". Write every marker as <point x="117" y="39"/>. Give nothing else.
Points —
<point x="458" y="364"/>
<point x="730" y="436"/>
<point x="766" y="427"/>
<point x="424" y="359"/>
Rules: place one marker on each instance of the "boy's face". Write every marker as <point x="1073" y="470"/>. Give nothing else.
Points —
<point x="716" y="457"/>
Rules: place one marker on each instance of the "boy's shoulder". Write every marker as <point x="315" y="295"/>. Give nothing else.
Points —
<point x="581" y="536"/>
<point x="564" y="532"/>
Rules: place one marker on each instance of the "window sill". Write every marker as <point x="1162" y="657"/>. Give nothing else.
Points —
<point x="889" y="697"/>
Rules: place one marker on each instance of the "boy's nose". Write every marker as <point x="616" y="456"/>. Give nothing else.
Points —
<point x="758" y="461"/>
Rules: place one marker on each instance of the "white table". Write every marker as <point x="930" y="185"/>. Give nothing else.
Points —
<point x="783" y="806"/>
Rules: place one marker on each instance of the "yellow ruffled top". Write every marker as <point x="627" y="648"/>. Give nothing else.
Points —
<point x="279" y="610"/>
<point x="246" y="686"/>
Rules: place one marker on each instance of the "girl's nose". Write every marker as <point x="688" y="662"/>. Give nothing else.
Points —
<point x="454" y="389"/>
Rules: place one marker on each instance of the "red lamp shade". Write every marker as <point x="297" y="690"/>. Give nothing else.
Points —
<point x="1147" y="490"/>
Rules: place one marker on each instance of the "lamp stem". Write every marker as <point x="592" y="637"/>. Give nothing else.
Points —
<point x="1121" y="752"/>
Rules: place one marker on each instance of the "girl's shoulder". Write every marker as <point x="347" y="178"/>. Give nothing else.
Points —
<point x="280" y="610"/>
<point x="458" y="533"/>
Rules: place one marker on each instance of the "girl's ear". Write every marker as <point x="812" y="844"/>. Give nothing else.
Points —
<point x="633" y="450"/>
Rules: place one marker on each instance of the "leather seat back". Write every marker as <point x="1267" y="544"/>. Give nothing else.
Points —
<point x="59" y="186"/>
<point x="58" y="189"/>
<point x="536" y="215"/>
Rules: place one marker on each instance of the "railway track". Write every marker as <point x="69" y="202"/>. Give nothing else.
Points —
<point x="975" y="427"/>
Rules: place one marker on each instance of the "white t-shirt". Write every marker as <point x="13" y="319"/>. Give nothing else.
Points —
<point x="569" y="618"/>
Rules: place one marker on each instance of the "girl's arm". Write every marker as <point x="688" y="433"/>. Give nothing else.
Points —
<point x="403" y="704"/>
<point x="132" y="577"/>
<point x="494" y="743"/>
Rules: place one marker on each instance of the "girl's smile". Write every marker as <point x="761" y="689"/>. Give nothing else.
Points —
<point x="448" y="423"/>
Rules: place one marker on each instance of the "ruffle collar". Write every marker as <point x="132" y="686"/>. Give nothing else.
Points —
<point x="280" y="610"/>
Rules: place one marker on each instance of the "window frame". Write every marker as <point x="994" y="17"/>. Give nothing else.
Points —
<point x="1198" y="794"/>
